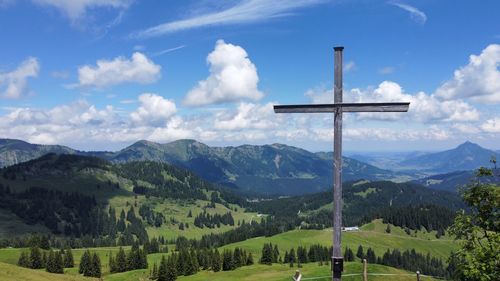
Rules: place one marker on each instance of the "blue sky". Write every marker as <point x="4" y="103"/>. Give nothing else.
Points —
<point x="104" y="74"/>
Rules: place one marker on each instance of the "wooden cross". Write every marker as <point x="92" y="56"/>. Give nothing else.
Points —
<point x="337" y="108"/>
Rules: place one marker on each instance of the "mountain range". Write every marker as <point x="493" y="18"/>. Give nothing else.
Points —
<point x="275" y="169"/>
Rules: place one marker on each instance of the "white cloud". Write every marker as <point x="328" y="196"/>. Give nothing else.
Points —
<point x="423" y="107"/>
<point x="175" y="129"/>
<point x="491" y="125"/>
<point x="233" y="77"/>
<point x="415" y="14"/>
<point x="13" y="84"/>
<point x="245" y="11"/>
<point x="479" y="80"/>
<point x="154" y="110"/>
<point x="247" y="116"/>
<point x="76" y="9"/>
<point x="138" y="69"/>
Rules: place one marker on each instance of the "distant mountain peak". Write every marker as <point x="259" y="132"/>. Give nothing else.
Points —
<point x="469" y="144"/>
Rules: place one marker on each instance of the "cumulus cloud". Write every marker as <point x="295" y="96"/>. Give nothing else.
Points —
<point x="415" y="14"/>
<point x="138" y="69"/>
<point x="479" y="80"/>
<point x="423" y="107"/>
<point x="13" y="84"/>
<point x="491" y="125"/>
<point x="154" y="110"/>
<point x="247" y="116"/>
<point x="245" y="11"/>
<point x="76" y="9"/>
<point x="233" y="77"/>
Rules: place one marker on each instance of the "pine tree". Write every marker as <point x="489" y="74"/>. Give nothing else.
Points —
<point x="121" y="261"/>
<point x="85" y="263"/>
<point x="35" y="258"/>
<point x="171" y="269"/>
<point x="249" y="259"/>
<point x="68" y="259"/>
<point x="267" y="254"/>
<point x="49" y="265"/>
<point x="360" y="253"/>
<point x="227" y="261"/>
<point x="154" y="274"/>
<point x="58" y="263"/>
<point x="24" y="260"/>
<point x="216" y="261"/>
<point x="95" y="266"/>
<point x="162" y="270"/>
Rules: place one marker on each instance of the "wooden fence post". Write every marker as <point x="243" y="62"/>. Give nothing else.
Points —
<point x="418" y="275"/>
<point x="365" y="270"/>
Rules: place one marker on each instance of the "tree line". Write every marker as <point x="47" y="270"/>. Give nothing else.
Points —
<point x="205" y="219"/>
<point x="52" y="261"/>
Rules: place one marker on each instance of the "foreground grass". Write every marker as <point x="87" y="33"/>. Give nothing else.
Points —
<point x="9" y="272"/>
<point x="278" y="272"/>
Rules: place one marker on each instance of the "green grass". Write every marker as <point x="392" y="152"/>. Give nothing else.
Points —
<point x="278" y="272"/>
<point x="9" y="272"/>
<point x="378" y="241"/>
<point x="178" y="210"/>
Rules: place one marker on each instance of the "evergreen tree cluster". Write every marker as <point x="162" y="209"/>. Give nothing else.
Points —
<point x="269" y="254"/>
<point x="90" y="265"/>
<point x="315" y="253"/>
<point x="135" y="259"/>
<point x="52" y="261"/>
<point x="188" y="261"/>
<point x="205" y="219"/>
<point x="431" y="217"/>
<point x="151" y="217"/>
<point x="413" y="261"/>
<point x="60" y="212"/>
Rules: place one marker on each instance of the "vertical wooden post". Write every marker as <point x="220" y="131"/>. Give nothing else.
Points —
<point x="418" y="275"/>
<point x="365" y="270"/>
<point x="337" y="260"/>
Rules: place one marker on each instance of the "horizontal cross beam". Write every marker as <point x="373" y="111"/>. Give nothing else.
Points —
<point x="346" y="107"/>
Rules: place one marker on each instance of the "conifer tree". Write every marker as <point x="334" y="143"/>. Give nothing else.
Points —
<point x="227" y="261"/>
<point x="35" y="258"/>
<point x="162" y="270"/>
<point x="85" y="263"/>
<point x="216" y="261"/>
<point x="95" y="266"/>
<point x="249" y="259"/>
<point x="68" y="259"/>
<point x="58" y="263"/>
<point x="171" y="269"/>
<point x="121" y="261"/>
<point x="360" y="253"/>
<point x="50" y="264"/>
<point x="154" y="273"/>
<point x="23" y="260"/>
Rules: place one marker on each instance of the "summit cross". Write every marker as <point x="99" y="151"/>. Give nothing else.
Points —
<point x="337" y="108"/>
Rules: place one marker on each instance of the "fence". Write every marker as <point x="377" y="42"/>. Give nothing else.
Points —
<point x="417" y="275"/>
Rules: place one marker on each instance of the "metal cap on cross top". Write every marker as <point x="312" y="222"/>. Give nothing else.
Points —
<point x="337" y="108"/>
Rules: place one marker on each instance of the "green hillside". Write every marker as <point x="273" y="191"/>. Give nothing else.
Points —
<point x="378" y="241"/>
<point x="166" y="190"/>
